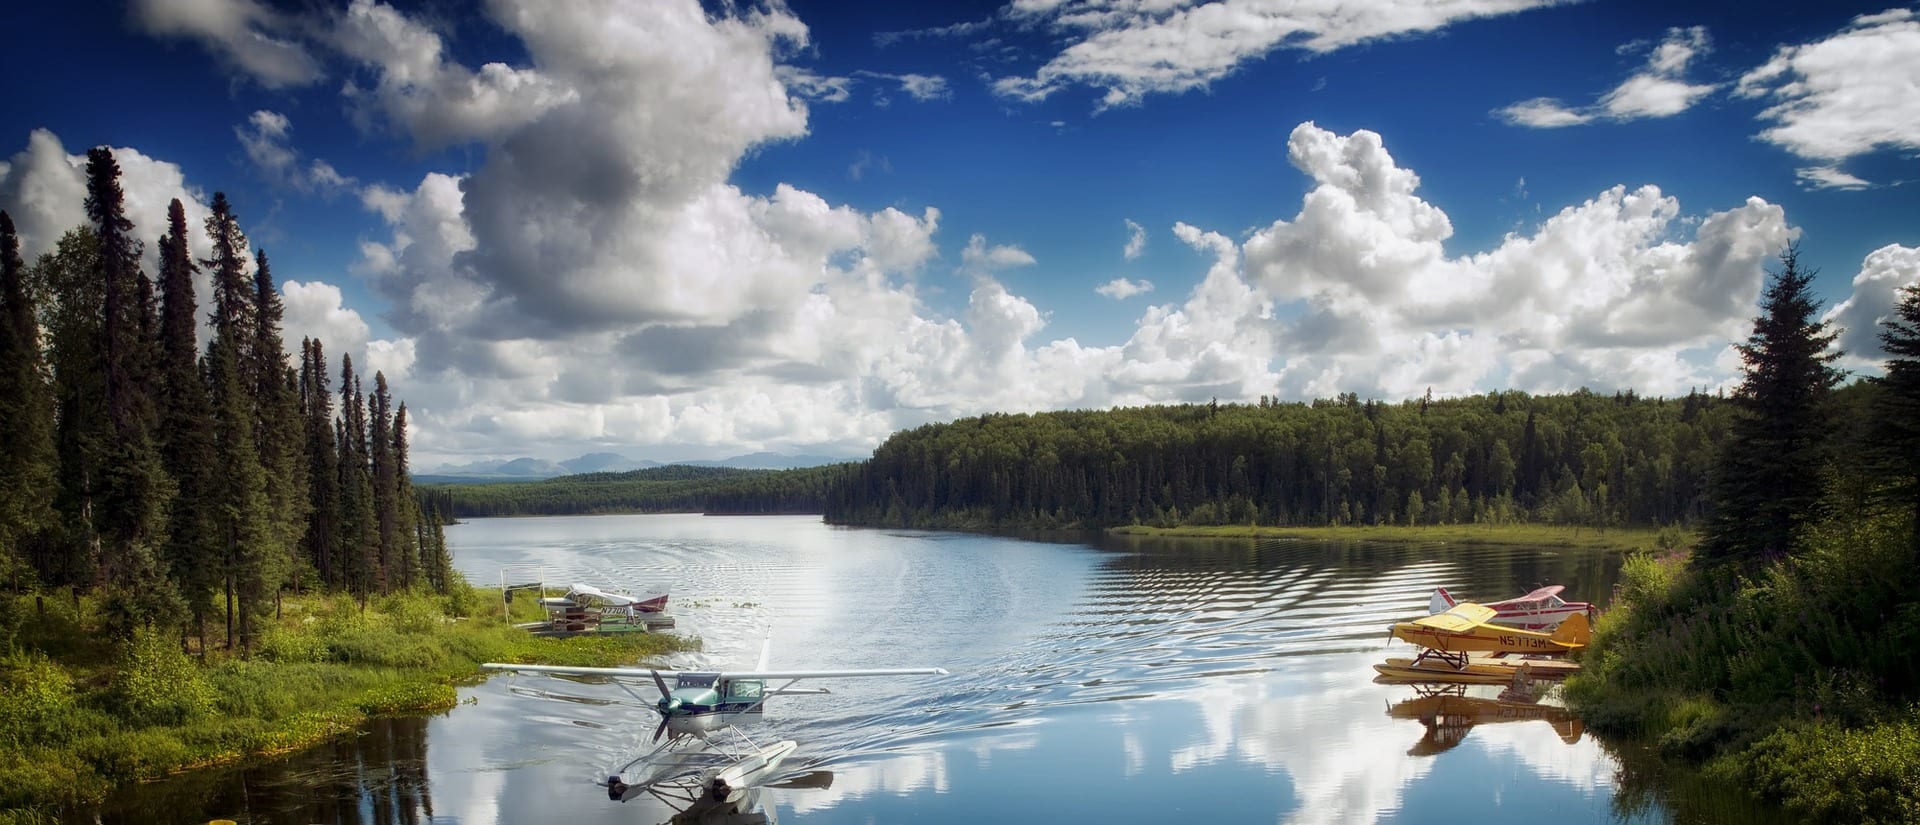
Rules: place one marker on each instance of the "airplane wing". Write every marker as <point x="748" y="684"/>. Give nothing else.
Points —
<point x="647" y="673"/>
<point x="1460" y="618"/>
<point x="832" y="674"/>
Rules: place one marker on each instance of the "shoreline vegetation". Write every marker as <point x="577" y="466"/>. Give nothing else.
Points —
<point x="80" y="714"/>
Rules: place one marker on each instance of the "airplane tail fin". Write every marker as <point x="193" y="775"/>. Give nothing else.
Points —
<point x="1574" y="631"/>
<point x="766" y="653"/>
<point x="1441" y="601"/>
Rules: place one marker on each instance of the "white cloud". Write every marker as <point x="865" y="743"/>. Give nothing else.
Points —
<point x="1828" y="177"/>
<point x="420" y="91"/>
<point x="44" y="189"/>
<point x="1657" y="90"/>
<point x="1136" y="241"/>
<point x="814" y="86"/>
<point x="1600" y="295"/>
<point x="1542" y="113"/>
<point x="1875" y="294"/>
<point x="980" y="257"/>
<point x="1122" y="289"/>
<point x="265" y="138"/>
<point x="920" y="87"/>
<point x="247" y="34"/>
<point x="1133" y="49"/>
<point x="1852" y="93"/>
<point x="315" y="310"/>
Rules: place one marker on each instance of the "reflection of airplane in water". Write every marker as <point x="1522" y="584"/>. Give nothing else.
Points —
<point x="1448" y="712"/>
<point x="708" y="769"/>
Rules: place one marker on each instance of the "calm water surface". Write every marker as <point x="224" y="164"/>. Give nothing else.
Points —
<point x="1119" y="681"/>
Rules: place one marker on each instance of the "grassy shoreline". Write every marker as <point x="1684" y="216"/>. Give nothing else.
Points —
<point x="80" y="714"/>
<point x="1626" y="539"/>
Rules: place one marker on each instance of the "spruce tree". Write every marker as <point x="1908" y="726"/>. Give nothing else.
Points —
<point x="243" y="524"/>
<point x="27" y="457"/>
<point x="135" y="491"/>
<point x="359" y="535"/>
<point x="406" y="504"/>
<point x="322" y="541"/>
<point x="1767" y="480"/>
<point x="82" y="435"/>
<point x="385" y="482"/>
<point x="1899" y="402"/>
<point x="187" y="429"/>
<point x="277" y="429"/>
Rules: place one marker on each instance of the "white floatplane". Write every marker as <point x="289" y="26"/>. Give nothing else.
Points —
<point x="1542" y="609"/>
<point x="707" y="768"/>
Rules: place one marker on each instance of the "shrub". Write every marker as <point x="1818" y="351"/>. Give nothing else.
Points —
<point x="1821" y="771"/>
<point x="36" y="695"/>
<point x="156" y="684"/>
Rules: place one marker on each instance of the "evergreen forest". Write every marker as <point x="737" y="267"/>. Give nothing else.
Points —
<point x="675" y="488"/>
<point x="184" y="484"/>
<point x="1581" y="458"/>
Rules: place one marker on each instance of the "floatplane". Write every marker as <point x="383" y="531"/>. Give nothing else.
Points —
<point x="1541" y="609"/>
<point x="702" y="764"/>
<point x="1448" y="643"/>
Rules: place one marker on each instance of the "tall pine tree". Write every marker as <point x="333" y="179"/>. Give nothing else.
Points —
<point x="322" y="538"/>
<point x="193" y="550"/>
<point x="27" y="459"/>
<point x="359" y="529"/>
<point x="1899" y="401"/>
<point x="406" y="506"/>
<point x="277" y="429"/>
<point x="82" y="435"/>
<point x="135" y="491"/>
<point x="1767" y="481"/>
<point x="244" y="527"/>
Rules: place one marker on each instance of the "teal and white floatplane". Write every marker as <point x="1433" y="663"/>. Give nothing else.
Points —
<point x="707" y="768"/>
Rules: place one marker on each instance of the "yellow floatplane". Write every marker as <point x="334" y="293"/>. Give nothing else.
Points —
<point x="1449" y="640"/>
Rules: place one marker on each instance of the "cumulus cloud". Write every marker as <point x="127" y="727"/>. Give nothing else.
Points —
<point x="979" y="256"/>
<point x="1601" y="294"/>
<point x="315" y="310"/>
<point x="246" y="34"/>
<point x="1846" y="95"/>
<point x="44" y="189"/>
<point x="419" y="90"/>
<point x="265" y="137"/>
<point x="1659" y="89"/>
<point x="1876" y="291"/>
<point x="1121" y="289"/>
<point x="1136" y="241"/>
<point x="1133" y="49"/>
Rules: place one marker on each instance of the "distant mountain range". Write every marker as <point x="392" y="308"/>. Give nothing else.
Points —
<point x="531" y="469"/>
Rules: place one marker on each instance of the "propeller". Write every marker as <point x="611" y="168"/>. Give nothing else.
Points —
<point x="666" y="706"/>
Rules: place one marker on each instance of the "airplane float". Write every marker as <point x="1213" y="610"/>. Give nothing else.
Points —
<point x="707" y="768"/>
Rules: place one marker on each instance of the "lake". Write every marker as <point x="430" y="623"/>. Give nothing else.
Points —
<point x="1113" y="679"/>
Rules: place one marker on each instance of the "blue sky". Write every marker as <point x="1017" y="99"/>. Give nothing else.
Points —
<point x="682" y="232"/>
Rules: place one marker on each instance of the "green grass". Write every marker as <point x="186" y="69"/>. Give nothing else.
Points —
<point x="1531" y="535"/>
<point x="79" y="715"/>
